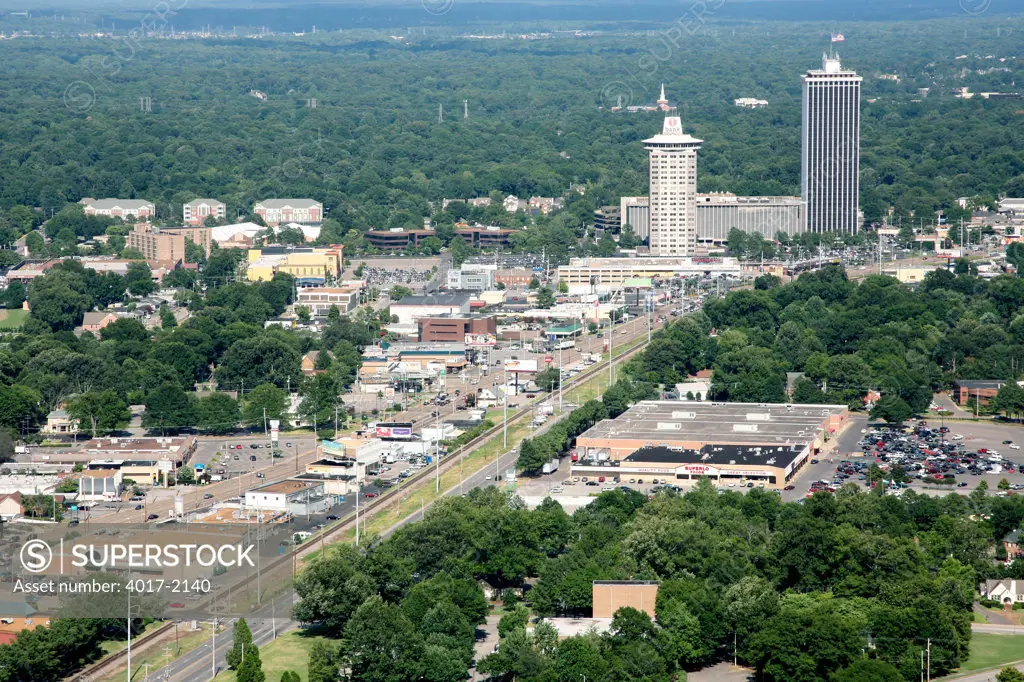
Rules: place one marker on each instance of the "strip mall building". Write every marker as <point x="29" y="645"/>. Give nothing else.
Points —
<point x="760" y="443"/>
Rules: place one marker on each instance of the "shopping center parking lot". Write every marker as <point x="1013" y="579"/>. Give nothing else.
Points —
<point x="851" y="462"/>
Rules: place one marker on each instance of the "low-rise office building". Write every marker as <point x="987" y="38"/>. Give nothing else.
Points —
<point x="980" y="390"/>
<point x="142" y="471"/>
<point x="176" y="451"/>
<point x="683" y="440"/>
<point x="411" y="308"/>
<point x="471" y="329"/>
<point x="320" y="300"/>
<point x="611" y="595"/>
<point x="470" y="280"/>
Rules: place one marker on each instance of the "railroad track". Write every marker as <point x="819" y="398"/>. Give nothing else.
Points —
<point x="103" y="667"/>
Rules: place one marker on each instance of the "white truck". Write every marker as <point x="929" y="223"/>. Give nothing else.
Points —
<point x="550" y="467"/>
<point x="565" y="345"/>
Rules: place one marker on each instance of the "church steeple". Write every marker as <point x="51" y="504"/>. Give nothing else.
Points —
<point x="662" y="100"/>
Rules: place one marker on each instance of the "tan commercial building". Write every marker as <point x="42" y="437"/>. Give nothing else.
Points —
<point x="687" y="440"/>
<point x="589" y="275"/>
<point x="611" y="595"/>
<point x="320" y="300"/>
<point x="308" y="266"/>
<point x="157" y="247"/>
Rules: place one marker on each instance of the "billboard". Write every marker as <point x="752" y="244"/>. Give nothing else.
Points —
<point x="275" y="430"/>
<point x="394" y="431"/>
<point x="331" y="447"/>
<point x="521" y="366"/>
<point x="486" y="340"/>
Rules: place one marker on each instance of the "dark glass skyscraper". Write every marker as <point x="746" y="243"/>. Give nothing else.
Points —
<point x="830" y="152"/>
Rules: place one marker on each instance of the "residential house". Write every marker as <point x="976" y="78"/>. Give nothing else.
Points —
<point x="309" y="363"/>
<point x="60" y="423"/>
<point x="545" y="205"/>
<point x="278" y="211"/>
<point x="1006" y="591"/>
<point x="138" y="209"/>
<point x="95" y="321"/>
<point x="1011" y="543"/>
<point x="10" y="506"/>
<point x="513" y="203"/>
<point x="197" y="211"/>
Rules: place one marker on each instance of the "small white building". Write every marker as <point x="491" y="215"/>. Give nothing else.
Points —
<point x="284" y="495"/>
<point x="412" y="308"/>
<point x="697" y="389"/>
<point x="100" y="485"/>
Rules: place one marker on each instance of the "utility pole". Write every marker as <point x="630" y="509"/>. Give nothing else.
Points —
<point x="504" y="391"/>
<point x="611" y="337"/>
<point x="928" y="667"/>
<point x="357" y="506"/>
<point x="559" y="378"/>
<point x="213" y="654"/>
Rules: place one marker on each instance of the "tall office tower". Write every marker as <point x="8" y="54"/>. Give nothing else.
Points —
<point x="830" y="152"/>
<point x="673" y="199"/>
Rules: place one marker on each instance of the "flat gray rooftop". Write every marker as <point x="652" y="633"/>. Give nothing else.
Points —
<point x="663" y="421"/>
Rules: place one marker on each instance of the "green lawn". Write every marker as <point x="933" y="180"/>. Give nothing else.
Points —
<point x="990" y="651"/>
<point x="12" y="319"/>
<point x="287" y="652"/>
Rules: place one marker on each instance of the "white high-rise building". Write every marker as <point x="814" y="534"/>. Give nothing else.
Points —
<point x="830" y="151"/>
<point x="673" y="198"/>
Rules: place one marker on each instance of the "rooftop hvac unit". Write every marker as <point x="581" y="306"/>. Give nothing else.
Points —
<point x="684" y="415"/>
<point x="669" y="426"/>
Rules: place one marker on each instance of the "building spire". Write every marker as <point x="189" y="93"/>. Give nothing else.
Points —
<point x="662" y="98"/>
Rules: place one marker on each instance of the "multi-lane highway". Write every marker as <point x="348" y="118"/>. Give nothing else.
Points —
<point x="271" y="620"/>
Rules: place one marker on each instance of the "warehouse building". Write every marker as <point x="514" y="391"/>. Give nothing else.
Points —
<point x="731" y="442"/>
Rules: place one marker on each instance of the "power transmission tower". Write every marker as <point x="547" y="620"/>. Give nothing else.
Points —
<point x="465" y="108"/>
<point x="440" y="113"/>
<point x="146" y="104"/>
